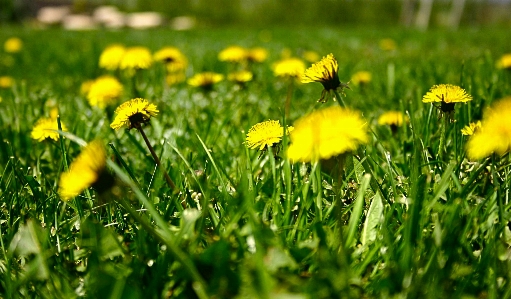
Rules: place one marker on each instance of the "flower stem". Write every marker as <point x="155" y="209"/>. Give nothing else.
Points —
<point x="339" y="99"/>
<point x="155" y="157"/>
<point x="443" y="133"/>
<point x="289" y="96"/>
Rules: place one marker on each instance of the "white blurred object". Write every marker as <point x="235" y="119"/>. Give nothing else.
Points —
<point x="109" y="16"/>
<point x="182" y="23"/>
<point x="52" y="14"/>
<point x="141" y="20"/>
<point x="78" y="22"/>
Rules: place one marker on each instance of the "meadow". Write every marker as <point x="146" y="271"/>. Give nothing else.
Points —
<point x="406" y="214"/>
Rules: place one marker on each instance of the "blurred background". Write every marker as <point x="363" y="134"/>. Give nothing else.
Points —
<point x="186" y="14"/>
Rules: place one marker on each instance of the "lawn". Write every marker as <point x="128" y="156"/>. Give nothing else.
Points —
<point x="412" y="210"/>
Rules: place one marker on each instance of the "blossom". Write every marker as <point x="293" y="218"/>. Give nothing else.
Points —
<point x="326" y="133"/>
<point x="13" y="45"/>
<point x="495" y="133"/>
<point x="387" y="44"/>
<point x="175" y="78"/>
<point x="133" y="113"/>
<point x="257" y="54"/>
<point x="205" y="80"/>
<point x="361" y="78"/>
<point x="85" y="86"/>
<point x="111" y="57"/>
<point x="234" y="54"/>
<point x="447" y="95"/>
<point x="6" y="81"/>
<point x="136" y="58"/>
<point x="173" y="58"/>
<point x="240" y="77"/>
<point x="471" y="128"/>
<point x="265" y="134"/>
<point x="289" y="67"/>
<point x="504" y="62"/>
<point x="325" y="72"/>
<point x="46" y="127"/>
<point x="85" y="171"/>
<point x="391" y="118"/>
<point x="104" y="91"/>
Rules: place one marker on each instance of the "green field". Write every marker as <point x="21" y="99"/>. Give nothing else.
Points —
<point x="407" y="216"/>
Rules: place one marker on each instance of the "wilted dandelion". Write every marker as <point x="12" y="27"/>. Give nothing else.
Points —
<point x="13" y="45"/>
<point x="325" y="72"/>
<point x="326" y="133"/>
<point x="133" y="114"/>
<point x="87" y="170"/>
<point x="111" y="57"/>
<point x="361" y="78"/>
<point x="46" y="127"/>
<point x="447" y="95"/>
<point x="6" y="82"/>
<point x="265" y="134"/>
<point x="173" y="58"/>
<point x="504" y="62"/>
<point x="136" y="58"/>
<point x="471" y="128"/>
<point x="205" y="80"/>
<point x="240" y="77"/>
<point x="104" y="91"/>
<point x="234" y="54"/>
<point x="289" y="67"/>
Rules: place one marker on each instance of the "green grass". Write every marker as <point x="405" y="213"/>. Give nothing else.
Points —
<point x="405" y="222"/>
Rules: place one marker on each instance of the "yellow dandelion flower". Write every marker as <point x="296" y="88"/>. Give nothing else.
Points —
<point x="387" y="44"/>
<point x="361" y="78"/>
<point x="326" y="133"/>
<point x="175" y="78"/>
<point x="257" y="54"/>
<point x="325" y="72"/>
<point x="84" y="172"/>
<point x="289" y="67"/>
<point x="265" y="134"/>
<point x="471" y="128"/>
<point x="235" y="54"/>
<point x="495" y="133"/>
<point x="85" y="87"/>
<point x="173" y="58"/>
<point x="205" y="80"/>
<point x="133" y="113"/>
<point x="391" y="118"/>
<point x="111" y="57"/>
<point x="13" y="45"/>
<point x="104" y="91"/>
<point x="136" y="58"/>
<point x="311" y="56"/>
<point x="447" y="95"/>
<point x="504" y="62"/>
<point x="240" y="77"/>
<point x="46" y="127"/>
<point x="6" y="82"/>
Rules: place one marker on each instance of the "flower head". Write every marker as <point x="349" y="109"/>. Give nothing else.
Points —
<point x="265" y="134"/>
<point x="257" y="54"/>
<point x="173" y="58"/>
<point x="13" y="45"/>
<point x="84" y="172"/>
<point x="361" y="78"/>
<point x="136" y="58"/>
<point x="289" y="67"/>
<point x="240" y="77"/>
<point x="391" y="118"/>
<point x="46" y="127"/>
<point x="311" y="56"/>
<point x="104" y="91"/>
<point x="504" y="62"/>
<point x="133" y="113"/>
<point x="326" y="133"/>
<point x="447" y="95"/>
<point x="111" y="57"/>
<point x="205" y="80"/>
<point x="495" y="133"/>
<point x="175" y="78"/>
<point x="471" y="128"/>
<point x="235" y="54"/>
<point x="6" y="81"/>
<point x="325" y="72"/>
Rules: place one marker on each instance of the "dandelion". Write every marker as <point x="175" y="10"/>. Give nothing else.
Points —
<point x="111" y="57"/>
<point x="234" y="54"/>
<point x="391" y="118"/>
<point x="136" y="58"/>
<point x="13" y="45"/>
<point x="289" y="67"/>
<point x="257" y="55"/>
<point x="46" y="127"/>
<point x="361" y="78"/>
<point x="133" y="113"/>
<point x="6" y="81"/>
<point x="387" y="44"/>
<point x="504" y="62"/>
<point x="85" y="86"/>
<point x="447" y="95"/>
<point x="265" y="134"/>
<point x="205" y="80"/>
<point x="104" y="91"/>
<point x="175" y="78"/>
<point x="173" y="58"/>
<point x="495" y="133"/>
<point x="326" y="133"/>
<point x="240" y="77"/>
<point x="311" y="56"/>
<point x="471" y="128"/>
<point x="87" y="170"/>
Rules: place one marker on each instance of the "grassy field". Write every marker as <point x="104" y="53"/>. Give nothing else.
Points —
<point x="409" y="216"/>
